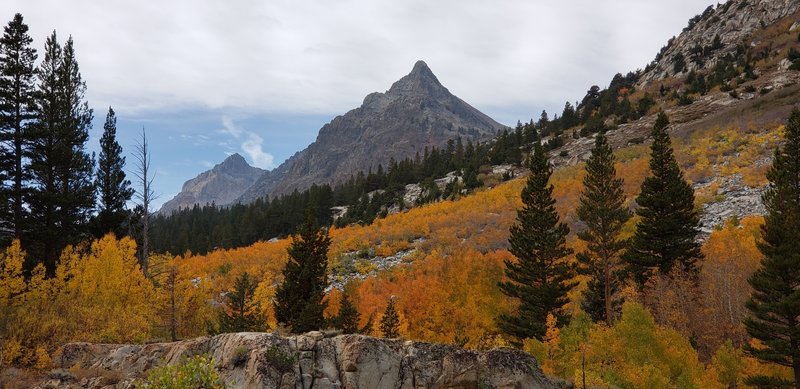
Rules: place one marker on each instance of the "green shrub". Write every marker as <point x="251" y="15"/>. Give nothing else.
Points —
<point x="278" y="359"/>
<point x="195" y="372"/>
<point x="240" y="356"/>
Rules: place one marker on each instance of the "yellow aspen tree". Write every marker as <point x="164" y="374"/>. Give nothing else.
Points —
<point x="112" y="299"/>
<point x="12" y="282"/>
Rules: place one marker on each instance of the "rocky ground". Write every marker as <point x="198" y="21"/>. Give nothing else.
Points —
<point x="303" y="362"/>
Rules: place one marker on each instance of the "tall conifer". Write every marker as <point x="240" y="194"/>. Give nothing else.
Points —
<point x="242" y="313"/>
<point x="665" y="234"/>
<point x="390" y="321"/>
<point x="62" y="198"/>
<point x="17" y="86"/>
<point x="540" y="277"/>
<point x="775" y="302"/>
<point x="602" y="209"/>
<point x="113" y="188"/>
<point x="298" y="299"/>
<point x="348" y="317"/>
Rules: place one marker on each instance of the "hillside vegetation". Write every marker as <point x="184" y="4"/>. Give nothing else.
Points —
<point x="445" y="291"/>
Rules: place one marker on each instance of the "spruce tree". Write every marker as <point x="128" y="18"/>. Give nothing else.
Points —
<point x="348" y="317"/>
<point x="113" y="188"/>
<point x="602" y="209"/>
<point x="17" y="86"/>
<point x="62" y="198"/>
<point x="241" y="313"/>
<point x="541" y="277"/>
<point x="390" y="321"/>
<point x="775" y="302"/>
<point x="665" y="234"/>
<point x="299" y="298"/>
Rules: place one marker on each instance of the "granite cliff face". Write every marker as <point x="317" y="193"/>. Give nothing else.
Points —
<point x="221" y="185"/>
<point x="416" y="112"/>
<point x="260" y="360"/>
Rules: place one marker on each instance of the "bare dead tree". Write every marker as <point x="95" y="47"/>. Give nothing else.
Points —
<point x="145" y="196"/>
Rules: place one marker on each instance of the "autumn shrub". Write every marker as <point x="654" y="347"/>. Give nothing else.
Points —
<point x="195" y="372"/>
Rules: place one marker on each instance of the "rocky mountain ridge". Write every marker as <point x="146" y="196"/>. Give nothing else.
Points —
<point x="312" y="360"/>
<point x="730" y="24"/>
<point x="416" y="112"/>
<point x="221" y="185"/>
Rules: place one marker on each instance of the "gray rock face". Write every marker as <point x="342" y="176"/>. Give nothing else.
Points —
<point x="734" y="21"/>
<point x="221" y="185"/>
<point x="736" y="200"/>
<point x="345" y="361"/>
<point x="416" y="112"/>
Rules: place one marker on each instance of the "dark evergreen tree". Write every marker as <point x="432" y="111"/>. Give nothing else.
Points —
<point x="602" y="209"/>
<point x="390" y="321"/>
<point x="348" y="317"/>
<point x="299" y="298"/>
<point x="775" y="302"/>
<point x="113" y="188"/>
<point x="17" y="86"/>
<point x="241" y="313"/>
<point x="665" y="234"/>
<point x="540" y="278"/>
<point x="62" y="197"/>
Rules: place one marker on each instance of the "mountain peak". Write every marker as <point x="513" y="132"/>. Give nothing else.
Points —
<point x="416" y="112"/>
<point x="421" y="71"/>
<point x="420" y="79"/>
<point x="221" y="185"/>
<point x="421" y="68"/>
<point x="234" y="162"/>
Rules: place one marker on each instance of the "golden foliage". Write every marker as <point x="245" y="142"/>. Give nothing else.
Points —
<point x="12" y="282"/>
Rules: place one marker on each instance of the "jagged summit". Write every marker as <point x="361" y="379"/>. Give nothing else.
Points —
<point x="416" y="112"/>
<point x="423" y="72"/>
<point x="234" y="161"/>
<point x="420" y="80"/>
<point x="221" y="185"/>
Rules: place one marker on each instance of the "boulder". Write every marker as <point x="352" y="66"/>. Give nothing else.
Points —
<point x="344" y="361"/>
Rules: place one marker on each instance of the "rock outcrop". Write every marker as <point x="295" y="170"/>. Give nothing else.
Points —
<point x="261" y="360"/>
<point x="732" y="22"/>
<point x="416" y="112"/>
<point x="221" y="185"/>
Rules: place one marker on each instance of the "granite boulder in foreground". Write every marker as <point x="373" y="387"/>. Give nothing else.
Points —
<point x="262" y="360"/>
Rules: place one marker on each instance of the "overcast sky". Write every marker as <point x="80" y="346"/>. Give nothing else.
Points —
<point x="209" y="78"/>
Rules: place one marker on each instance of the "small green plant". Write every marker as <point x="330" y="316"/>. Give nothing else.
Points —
<point x="194" y="372"/>
<point x="278" y="359"/>
<point x="240" y="356"/>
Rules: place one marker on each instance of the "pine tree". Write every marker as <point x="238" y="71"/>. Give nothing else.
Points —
<point x="540" y="278"/>
<point x="665" y="234"/>
<point x="17" y="85"/>
<point x="348" y="317"/>
<point x="390" y="321"/>
<point x="61" y="170"/>
<point x="775" y="302"/>
<point x="299" y="298"/>
<point x="602" y="209"/>
<point x="113" y="188"/>
<point x="245" y="314"/>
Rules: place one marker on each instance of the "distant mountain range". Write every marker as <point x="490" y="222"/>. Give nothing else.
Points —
<point x="415" y="113"/>
<point x="221" y="185"/>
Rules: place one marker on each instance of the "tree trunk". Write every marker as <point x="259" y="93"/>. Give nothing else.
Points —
<point x="607" y="291"/>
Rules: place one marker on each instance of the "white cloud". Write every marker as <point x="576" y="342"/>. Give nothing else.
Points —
<point x="252" y="144"/>
<point x="318" y="56"/>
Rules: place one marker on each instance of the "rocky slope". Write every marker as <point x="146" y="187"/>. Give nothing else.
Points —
<point x="734" y="22"/>
<point x="416" y="112"/>
<point x="221" y="185"/>
<point x="260" y="360"/>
